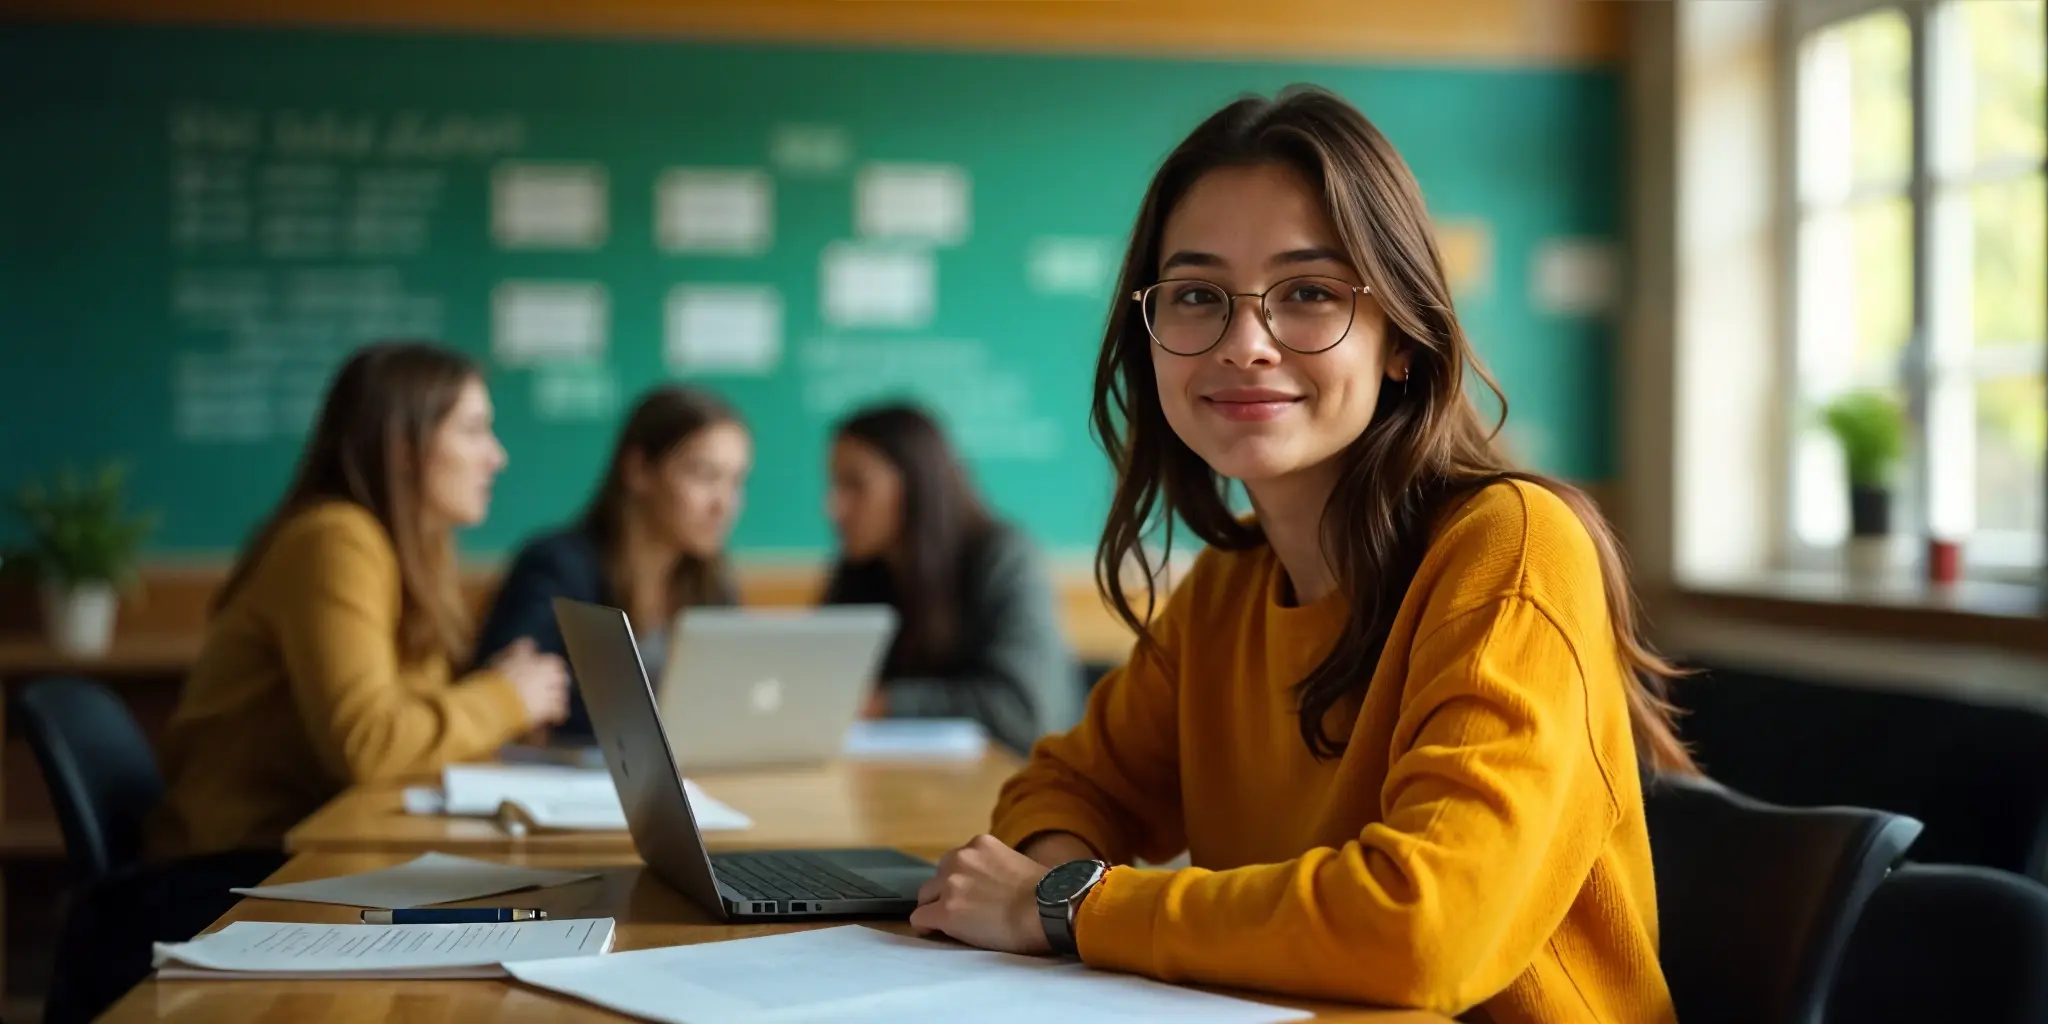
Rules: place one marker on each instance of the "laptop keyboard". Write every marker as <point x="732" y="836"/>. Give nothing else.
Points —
<point x="785" y="876"/>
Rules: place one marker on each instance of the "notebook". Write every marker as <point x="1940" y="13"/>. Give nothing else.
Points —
<point x="549" y="798"/>
<point x="423" y="881"/>
<point x="288" y="950"/>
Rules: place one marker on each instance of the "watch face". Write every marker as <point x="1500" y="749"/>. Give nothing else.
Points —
<point x="1068" y="880"/>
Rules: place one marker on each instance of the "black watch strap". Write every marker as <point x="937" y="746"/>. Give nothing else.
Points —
<point x="1059" y="897"/>
<point x="1058" y="920"/>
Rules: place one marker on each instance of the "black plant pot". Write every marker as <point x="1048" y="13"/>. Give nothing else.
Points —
<point x="1870" y="511"/>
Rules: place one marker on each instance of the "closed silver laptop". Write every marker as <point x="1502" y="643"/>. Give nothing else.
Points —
<point x="745" y="689"/>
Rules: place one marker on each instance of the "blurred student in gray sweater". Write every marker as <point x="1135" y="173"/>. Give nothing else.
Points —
<point x="979" y="630"/>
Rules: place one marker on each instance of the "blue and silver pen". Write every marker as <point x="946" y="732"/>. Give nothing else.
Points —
<point x="453" y="915"/>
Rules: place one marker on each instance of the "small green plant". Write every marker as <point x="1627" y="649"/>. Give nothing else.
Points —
<point x="1872" y="430"/>
<point x="79" y="529"/>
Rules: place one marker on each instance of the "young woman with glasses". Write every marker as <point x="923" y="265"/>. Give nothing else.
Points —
<point x="1396" y="716"/>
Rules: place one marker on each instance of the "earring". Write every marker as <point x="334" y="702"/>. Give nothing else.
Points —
<point x="1404" y="381"/>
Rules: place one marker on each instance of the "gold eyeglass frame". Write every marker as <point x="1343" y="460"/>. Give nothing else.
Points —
<point x="1265" y="314"/>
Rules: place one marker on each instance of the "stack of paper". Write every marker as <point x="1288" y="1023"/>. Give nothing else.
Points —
<point x="552" y="797"/>
<point x="917" y="739"/>
<point x="425" y="880"/>
<point x="850" y="974"/>
<point x="272" y="950"/>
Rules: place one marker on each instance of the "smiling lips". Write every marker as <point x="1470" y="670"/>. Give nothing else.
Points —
<point x="1250" y="405"/>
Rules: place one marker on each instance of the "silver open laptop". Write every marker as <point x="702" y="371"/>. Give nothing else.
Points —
<point x="749" y="688"/>
<point x="751" y="885"/>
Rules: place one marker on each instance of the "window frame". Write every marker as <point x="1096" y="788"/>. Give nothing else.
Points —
<point x="2009" y="554"/>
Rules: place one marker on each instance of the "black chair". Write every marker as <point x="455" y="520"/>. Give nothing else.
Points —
<point x="1947" y="942"/>
<point x="1969" y="769"/>
<point x="1755" y="902"/>
<point x="102" y="774"/>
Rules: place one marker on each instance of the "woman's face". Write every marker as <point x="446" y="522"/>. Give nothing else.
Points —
<point x="865" y="502"/>
<point x="462" y="460"/>
<point x="692" y="495"/>
<point x="1252" y="409"/>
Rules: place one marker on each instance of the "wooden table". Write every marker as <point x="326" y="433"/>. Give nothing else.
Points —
<point x="649" y="914"/>
<point x="865" y="803"/>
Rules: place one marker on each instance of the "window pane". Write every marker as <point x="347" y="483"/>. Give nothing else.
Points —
<point x="1855" y="295"/>
<point x="1993" y="58"/>
<point x="2012" y="449"/>
<point x="2009" y="262"/>
<point x="1856" y="108"/>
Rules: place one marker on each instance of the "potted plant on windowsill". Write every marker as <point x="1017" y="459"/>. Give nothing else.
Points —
<point x="1871" y="429"/>
<point x="80" y="550"/>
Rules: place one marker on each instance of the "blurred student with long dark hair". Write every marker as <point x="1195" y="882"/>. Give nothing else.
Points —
<point x="978" y="629"/>
<point x="327" y="661"/>
<point x="652" y="541"/>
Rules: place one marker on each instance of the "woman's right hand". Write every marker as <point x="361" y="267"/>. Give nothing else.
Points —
<point x="541" y="679"/>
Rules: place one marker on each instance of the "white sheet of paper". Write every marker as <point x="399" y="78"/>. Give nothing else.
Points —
<point x="427" y="879"/>
<point x="852" y="974"/>
<point x="423" y="800"/>
<point x="1073" y="266"/>
<point x="810" y="150"/>
<point x="1573" y="276"/>
<point x="275" y="949"/>
<point x="877" y="286"/>
<point x="925" y="202"/>
<point x="542" y="321"/>
<point x="548" y="205"/>
<point x="568" y="392"/>
<point x="480" y="788"/>
<point x="719" y="210"/>
<point x="724" y="329"/>
<point x="556" y="796"/>
<point x="923" y="739"/>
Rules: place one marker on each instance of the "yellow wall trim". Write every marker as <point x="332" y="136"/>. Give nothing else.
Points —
<point x="1539" y="32"/>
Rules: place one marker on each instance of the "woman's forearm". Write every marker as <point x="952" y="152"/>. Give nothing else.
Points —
<point x="1053" y="849"/>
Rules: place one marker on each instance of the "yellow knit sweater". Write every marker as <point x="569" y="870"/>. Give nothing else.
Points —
<point x="1480" y="843"/>
<point x="299" y="692"/>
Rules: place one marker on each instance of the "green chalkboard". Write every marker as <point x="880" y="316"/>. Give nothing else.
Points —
<point x="195" y="226"/>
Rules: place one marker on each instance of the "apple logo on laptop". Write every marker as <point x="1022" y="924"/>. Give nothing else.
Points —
<point x="766" y="696"/>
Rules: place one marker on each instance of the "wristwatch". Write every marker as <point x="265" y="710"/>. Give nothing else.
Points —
<point x="1060" y="893"/>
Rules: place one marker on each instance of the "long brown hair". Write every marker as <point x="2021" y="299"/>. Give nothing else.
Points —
<point x="369" y="447"/>
<point x="944" y="522"/>
<point x="1425" y="451"/>
<point x="661" y="422"/>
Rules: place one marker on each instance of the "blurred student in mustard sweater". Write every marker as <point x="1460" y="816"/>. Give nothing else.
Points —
<point x="327" y="662"/>
<point x="1396" y="716"/>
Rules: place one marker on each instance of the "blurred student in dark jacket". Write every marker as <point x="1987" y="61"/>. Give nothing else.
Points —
<point x="651" y="542"/>
<point x="979" y="631"/>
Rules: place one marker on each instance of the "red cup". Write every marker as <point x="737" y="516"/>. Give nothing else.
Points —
<point x="1944" y="561"/>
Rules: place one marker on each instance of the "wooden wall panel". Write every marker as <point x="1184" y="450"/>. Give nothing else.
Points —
<point x="1482" y="31"/>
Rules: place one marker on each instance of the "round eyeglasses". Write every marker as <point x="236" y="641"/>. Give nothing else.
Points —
<point x="1306" y="315"/>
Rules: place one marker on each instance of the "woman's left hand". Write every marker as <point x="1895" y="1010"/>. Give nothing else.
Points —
<point x="985" y="894"/>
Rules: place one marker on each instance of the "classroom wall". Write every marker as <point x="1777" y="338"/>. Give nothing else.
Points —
<point x="1516" y="147"/>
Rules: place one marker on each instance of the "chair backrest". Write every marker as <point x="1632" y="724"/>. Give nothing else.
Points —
<point x="101" y="771"/>
<point x="1755" y="902"/>
<point x="1947" y="942"/>
<point x="1969" y="769"/>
